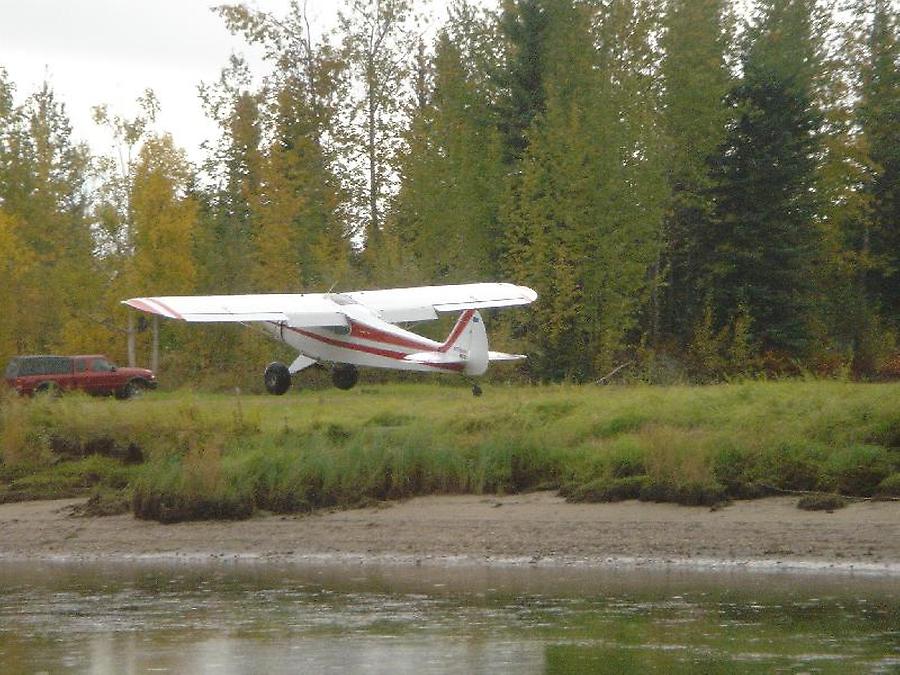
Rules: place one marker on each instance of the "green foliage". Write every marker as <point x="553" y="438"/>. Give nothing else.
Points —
<point x="215" y="456"/>
<point x="889" y="487"/>
<point x="821" y="502"/>
<point x="762" y="239"/>
<point x="701" y="206"/>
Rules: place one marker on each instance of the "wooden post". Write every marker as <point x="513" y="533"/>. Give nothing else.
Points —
<point x="131" y="330"/>
<point x="154" y="353"/>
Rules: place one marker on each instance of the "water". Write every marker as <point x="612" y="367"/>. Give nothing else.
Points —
<point x="245" y="618"/>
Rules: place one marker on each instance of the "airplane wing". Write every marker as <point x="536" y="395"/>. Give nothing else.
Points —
<point x="421" y="303"/>
<point x="326" y="309"/>
<point x="299" y="310"/>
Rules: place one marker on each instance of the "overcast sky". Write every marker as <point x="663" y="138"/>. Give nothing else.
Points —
<point x="110" y="51"/>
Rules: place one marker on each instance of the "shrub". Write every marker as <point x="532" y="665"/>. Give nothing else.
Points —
<point x="889" y="487"/>
<point x="691" y="493"/>
<point x="859" y="470"/>
<point x="607" y="490"/>
<point x="821" y="502"/>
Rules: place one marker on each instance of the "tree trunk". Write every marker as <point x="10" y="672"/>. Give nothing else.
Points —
<point x="154" y="353"/>
<point x="131" y="331"/>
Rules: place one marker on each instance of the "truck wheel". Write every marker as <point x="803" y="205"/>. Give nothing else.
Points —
<point x="130" y="390"/>
<point x="47" y="389"/>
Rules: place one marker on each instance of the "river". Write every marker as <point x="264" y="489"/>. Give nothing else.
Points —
<point x="255" y="618"/>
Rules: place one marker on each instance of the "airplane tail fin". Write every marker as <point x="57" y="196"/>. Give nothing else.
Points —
<point x="467" y="345"/>
<point x="468" y="342"/>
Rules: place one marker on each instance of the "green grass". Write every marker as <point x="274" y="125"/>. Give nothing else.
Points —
<point x="224" y="456"/>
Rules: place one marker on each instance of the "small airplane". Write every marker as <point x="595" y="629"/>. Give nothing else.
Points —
<point x="360" y="328"/>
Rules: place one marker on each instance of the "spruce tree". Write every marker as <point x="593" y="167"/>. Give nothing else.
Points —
<point x="695" y="81"/>
<point x="763" y="240"/>
<point x="880" y="118"/>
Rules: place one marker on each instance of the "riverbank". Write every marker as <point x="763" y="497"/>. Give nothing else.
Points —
<point x="537" y="528"/>
<point x="177" y="456"/>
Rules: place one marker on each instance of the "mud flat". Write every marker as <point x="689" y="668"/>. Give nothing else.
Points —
<point x="538" y="529"/>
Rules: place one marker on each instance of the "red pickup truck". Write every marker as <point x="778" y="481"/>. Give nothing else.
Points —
<point x="92" y="373"/>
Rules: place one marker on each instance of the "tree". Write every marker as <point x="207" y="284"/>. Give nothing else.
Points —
<point x="523" y="28"/>
<point x="226" y="244"/>
<point x="377" y="44"/>
<point x="583" y="222"/>
<point x="44" y="173"/>
<point x="452" y="177"/>
<point x="764" y="240"/>
<point x="16" y="260"/>
<point x="297" y="232"/>
<point x="880" y="117"/>
<point x="695" y="80"/>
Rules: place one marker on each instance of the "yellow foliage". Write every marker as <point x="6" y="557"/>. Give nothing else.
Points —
<point x="16" y="261"/>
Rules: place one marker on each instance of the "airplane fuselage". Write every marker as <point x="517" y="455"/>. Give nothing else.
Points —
<point x="366" y="341"/>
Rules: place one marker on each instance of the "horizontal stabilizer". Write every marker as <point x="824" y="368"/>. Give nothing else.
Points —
<point x="500" y="356"/>
<point x="436" y="358"/>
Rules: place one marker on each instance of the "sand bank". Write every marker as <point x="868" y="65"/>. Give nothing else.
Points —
<point x="530" y="529"/>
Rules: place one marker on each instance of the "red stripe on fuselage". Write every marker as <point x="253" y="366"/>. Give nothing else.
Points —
<point x="364" y="332"/>
<point x="397" y="356"/>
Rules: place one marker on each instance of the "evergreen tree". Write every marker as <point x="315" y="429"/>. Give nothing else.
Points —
<point x="523" y="26"/>
<point x="226" y="245"/>
<point x="880" y="117"/>
<point x="695" y="80"/>
<point x="583" y="223"/>
<point x="446" y="211"/>
<point x="763" y="240"/>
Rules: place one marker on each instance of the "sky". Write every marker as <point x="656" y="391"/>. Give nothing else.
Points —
<point x="96" y="52"/>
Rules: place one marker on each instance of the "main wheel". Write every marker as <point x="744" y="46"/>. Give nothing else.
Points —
<point x="476" y="390"/>
<point x="277" y="378"/>
<point x="344" y="377"/>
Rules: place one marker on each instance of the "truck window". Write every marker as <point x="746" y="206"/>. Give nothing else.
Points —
<point x="12" y="369"/>
<point x="81" y="365"/>
<point x="101" y="366"/>
<point x="57" y="365"/>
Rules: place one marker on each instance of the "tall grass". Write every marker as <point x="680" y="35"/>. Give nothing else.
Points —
<point x="227" y="455"/>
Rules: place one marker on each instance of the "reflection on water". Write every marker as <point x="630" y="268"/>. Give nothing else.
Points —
<point x="268" y="619"/>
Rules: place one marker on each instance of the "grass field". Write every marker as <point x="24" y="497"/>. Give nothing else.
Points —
<point x="184" y="455"/>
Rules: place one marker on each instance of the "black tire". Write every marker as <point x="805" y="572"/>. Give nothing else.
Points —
<point x="47" y="389"/>
<point x="277" y="378"/>
<point x="132" y="389"/>
<point x="345" y="377"/>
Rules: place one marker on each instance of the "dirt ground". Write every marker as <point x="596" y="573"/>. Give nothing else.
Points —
<point x="530" y="529"/>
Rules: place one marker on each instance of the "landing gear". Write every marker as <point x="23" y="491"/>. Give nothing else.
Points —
<point x="277" y="378"/>
<point x="476" y="390"/>
<point x="345" y="376"/>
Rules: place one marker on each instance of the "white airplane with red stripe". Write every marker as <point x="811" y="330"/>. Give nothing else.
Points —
<point x="349" y="330"/>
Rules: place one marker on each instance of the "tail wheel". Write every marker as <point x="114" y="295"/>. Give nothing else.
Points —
<point x="344" y="377"/>
<point x="277" y="378"/>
